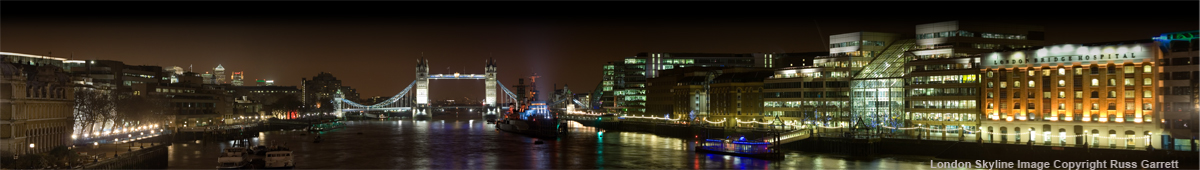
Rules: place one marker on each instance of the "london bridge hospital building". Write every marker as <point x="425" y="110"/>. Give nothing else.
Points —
<point x="1099" y="95"/>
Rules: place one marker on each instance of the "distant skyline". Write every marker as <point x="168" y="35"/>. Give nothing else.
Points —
<point x="373" y="46"/>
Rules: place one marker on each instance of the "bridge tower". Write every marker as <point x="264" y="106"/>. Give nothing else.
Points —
<point x="337" y="104"/>
<point x="490" y="88"/>
<point x="422" y="105"/>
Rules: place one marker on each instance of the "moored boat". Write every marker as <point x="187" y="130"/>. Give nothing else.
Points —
<point x="233" y="158"/>
<point x="754" y="149"/>
<point x="279" y="157"/>
<point x="512" y="125"/>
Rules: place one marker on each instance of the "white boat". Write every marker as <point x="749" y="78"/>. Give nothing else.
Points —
<point x="233" y="158"/>
<point x="281" y="158"/>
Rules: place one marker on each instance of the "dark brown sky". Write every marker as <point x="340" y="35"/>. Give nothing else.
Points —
<point x="374" y="46"/>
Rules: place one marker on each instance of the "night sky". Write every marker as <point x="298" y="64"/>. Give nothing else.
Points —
<point x="373" y="46"/>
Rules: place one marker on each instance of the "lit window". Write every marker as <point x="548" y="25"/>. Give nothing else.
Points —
<point x="1129" y="94"/>
<point x="989" y="74"/>
<point x="1078" y="94"/>
<point x="1030" y="73"/>
<point x="1095" y="82"/>
<point x="1003" y="84"/>
<point x="1062" y="94"/>
<point x="1016" y="84"/>
<point x="1146" y="106"/>
<point x="989" y="84"/>
<point x="1112" y="94"/>
<point x="1062" y="71"/>
<point x="1147" y="81"/>
<point x="1147" y="69"/>
<point x="1128" y="69"/>
<point x="1078" y="71"/>
<point x="1146" y="94"/>
<point x="1062" y="83"/>
<point x="1128" y="82"/>
<point x="1031" y="83"/>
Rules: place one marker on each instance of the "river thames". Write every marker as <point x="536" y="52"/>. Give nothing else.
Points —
<point x="470" y="143"/>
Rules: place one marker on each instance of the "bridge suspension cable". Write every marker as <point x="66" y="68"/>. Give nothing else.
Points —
<point x="395" y="98"/>
<point x="509" y="93"/>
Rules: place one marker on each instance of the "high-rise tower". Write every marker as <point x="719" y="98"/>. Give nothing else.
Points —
<point x="236" y="78"/>
<point x="219" y="74"/>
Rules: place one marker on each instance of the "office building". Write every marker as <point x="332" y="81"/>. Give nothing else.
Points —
<point x="858" y="85"/>
<point x="236" y="78"/>
<point x="1179" y="90"/>
<point x="116" y="75"/>
<point x="219" y="75"/>
<point x="943" y="85"/>
<point x="208" y="78"/>
<point x="622" y="89"/>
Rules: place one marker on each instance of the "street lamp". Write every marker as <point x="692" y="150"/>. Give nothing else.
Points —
<point x="30" y="148"/>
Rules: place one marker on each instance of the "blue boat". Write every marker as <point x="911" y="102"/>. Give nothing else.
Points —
<point x="740" y="147"/>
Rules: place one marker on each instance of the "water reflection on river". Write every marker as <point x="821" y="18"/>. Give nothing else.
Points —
<point x="454" y="143"/>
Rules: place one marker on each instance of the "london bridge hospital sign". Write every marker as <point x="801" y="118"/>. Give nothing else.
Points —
<point x="1071" y="53"/>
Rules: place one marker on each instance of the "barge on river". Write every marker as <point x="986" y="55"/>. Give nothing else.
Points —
<point x="753" y="149"/>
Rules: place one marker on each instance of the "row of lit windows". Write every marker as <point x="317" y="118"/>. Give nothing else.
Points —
<point x="1063" y="83"/>
<point x="1129" y="94"/>
<point x="943" y="104"/>
<point x="942" y="116"/>
<point x="272" y="91"/>
<point x="945" y="79"/>
<point x="941" y="56"/>
<point x="856" y="43"/>
<point x="934" y="67"/>
<point x="966" y="91"/>
<point x="946" y="34"/>
<point x="635" y="61"/>
<point x="1129" y="69"/>
<point x="819" y="94"/>
<point x="970" y="34"/>
<point x="162" y="90"/>
<point x="822" y="74"/>
<point x="808" y="103"/>
<point x="139" y="75"/>
<point x="854" y="54"/>
<point x="998" y="46"/>
<point x="809" y="84"/>
<point x="1002" y="36"/>
<point x="1078" y="106"/>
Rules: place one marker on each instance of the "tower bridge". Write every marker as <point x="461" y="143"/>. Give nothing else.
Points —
<point x="418" y="104"/>
<point x="497" y="97"/>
